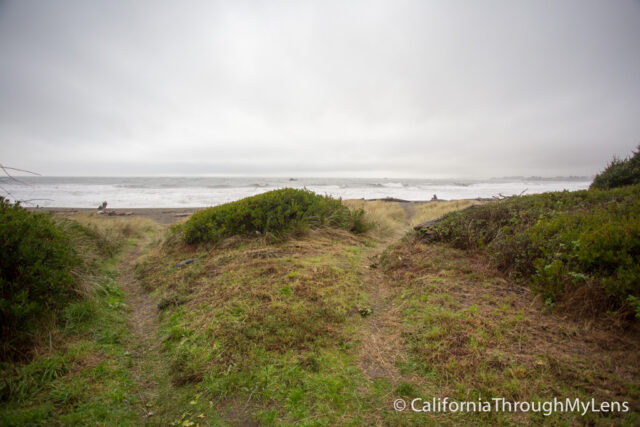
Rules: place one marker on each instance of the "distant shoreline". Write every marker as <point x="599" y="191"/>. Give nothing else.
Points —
<point x="188" y="193"/>
<point x="171" y="215"/>
<point x="160" y="215"/>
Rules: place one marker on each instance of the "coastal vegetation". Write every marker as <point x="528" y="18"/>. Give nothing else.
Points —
<point x="273" y="214"/>
<point x="581" y="248"/>
<point x="36" y="276"/>
<point x="391" y="220"/>
<point x="65" y="359"/>
<point x="288" y="313"/>
<point x="619" y="172"/>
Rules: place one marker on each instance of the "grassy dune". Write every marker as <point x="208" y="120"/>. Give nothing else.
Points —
<point x="321" y="327"/>
<point x="264" y="331"/>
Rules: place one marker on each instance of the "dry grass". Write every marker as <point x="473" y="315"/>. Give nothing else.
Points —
<point x="381" y="350"/>
<point x="393" y="219"/>
<point x="96" y="237"/>
<point x="468" y="332"/>
<point x="119" y="227"/>
<point x="431" y="210"/>
<point x="389" y="218"/>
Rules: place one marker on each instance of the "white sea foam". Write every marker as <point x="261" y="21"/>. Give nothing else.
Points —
<point x="195" y="192"/>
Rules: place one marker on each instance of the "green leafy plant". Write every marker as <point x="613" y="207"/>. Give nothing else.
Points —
<point x="275" y="213"/>
<point x="634" y="302"/>
<point x="558" y="242"/>
<point x="619" y="173"/>
<point x="36" y="275"/>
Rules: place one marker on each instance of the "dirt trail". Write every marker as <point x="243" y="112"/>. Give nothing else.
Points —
<point x="380" y="347"/>
<point x="143" y="324"/>
<point x="143" y="316"/>
<point x="380" y="350"/>
<point x="409" y="212"/>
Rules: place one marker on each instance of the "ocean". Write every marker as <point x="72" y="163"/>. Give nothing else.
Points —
<point x="175" y="192"/>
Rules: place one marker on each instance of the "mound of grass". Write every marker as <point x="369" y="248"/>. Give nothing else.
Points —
<point x="276" y="212"/>
<point x="268" y="327"/>
<point x="619" y="173"/>
<point x="36" y="275"/>
<point x="564" y="243"/>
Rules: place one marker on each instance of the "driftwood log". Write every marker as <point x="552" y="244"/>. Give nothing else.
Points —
<point x="185" y="262"/>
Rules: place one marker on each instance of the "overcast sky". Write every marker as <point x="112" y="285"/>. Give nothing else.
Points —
<point x="346" y="88"/>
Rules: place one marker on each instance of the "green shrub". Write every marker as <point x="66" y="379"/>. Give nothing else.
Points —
<point x="619" y="173"/>
<point x="558" y="242"/>
<point x="275" y="212"/>
<point x="36" y="277"/>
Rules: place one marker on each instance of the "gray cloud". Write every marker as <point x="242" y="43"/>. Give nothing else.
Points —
<point x="394" y="88"/>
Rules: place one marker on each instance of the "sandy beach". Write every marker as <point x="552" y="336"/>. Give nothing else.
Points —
<point x="160" y="215"/>
<point x="172" y="215"/>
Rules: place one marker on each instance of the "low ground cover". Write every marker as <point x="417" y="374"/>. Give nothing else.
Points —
<point x="579" y="248"/>
<point x="318" y="328"/>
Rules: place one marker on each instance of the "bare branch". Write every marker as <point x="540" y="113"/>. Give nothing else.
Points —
<point x="8" y="192"/>
<point x="501" y="196"/>
<point x="20" y="170"/>
<point x="6" y="170"/>
<point x="31" y="200"/>
<point x="11" y="177"/>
